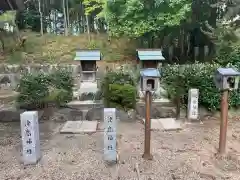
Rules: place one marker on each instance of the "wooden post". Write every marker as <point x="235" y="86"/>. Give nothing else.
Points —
<point x="148" y="99"/>
<point x="224" y="119"/>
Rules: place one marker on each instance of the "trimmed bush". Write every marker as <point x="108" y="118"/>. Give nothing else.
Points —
<point x="62" y="81"/>
<point x="122" y="96"/>
<point x="33" y="89"/>
<point x="119" y="90"/>
<point x="36" y="91"/>
<point x="120" y="77"/>
<point x="180" y="78"/>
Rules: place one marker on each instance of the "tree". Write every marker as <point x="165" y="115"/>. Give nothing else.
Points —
<point x="41" y="16"/>
<point x="65" y="17"/>
<point x="136" y="18"/>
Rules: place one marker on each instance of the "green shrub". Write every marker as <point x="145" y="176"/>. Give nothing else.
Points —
<point x="119" y="90"/>
<point x="33" y="88"/>
<point x="37" y="90"/>
<point x="62" y="80"/>
<point x="58" y="97"/>
<point x="120" y="77"/>
<point x="181" y="78"/>
<point x="228" y="53"/>
<point x="122" y="96"/>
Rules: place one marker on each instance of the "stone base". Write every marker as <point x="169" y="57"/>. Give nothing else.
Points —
<point x="165" y="124"/>
<point x="78" y="127"/>
<point x="169" y="124"/>
<point x="161" y="108"/>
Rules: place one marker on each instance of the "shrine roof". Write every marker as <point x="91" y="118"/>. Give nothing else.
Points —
<point x="228" y="72"/>
<point x="88" y="55"/>
<point x="150" y="54"/>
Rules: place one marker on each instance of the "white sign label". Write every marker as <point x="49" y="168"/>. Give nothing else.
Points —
<point x="193" y="104"/>
<point x="110" y="134"/>
<point x="30" y="137"/>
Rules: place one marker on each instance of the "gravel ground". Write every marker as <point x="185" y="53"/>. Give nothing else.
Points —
<point x="183" y="155"/>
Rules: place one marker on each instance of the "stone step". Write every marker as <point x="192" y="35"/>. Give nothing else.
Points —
<point x="8" y="97"/>
<point x="158" y="102"/>
<point x="84" y="105"/>
<point x="78" y="127"/>
<point x="166" y="124"/>
<point x="157" y="112"/>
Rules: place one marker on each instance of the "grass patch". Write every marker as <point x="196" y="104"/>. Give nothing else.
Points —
<point x="61" y="49"/>
<point x="8" y="16"/>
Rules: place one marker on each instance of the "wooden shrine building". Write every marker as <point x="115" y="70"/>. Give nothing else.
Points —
<point x="88" y="60"/>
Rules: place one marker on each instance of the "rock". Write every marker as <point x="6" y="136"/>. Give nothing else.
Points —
<point x="95" y="114"/>
<point x="62" y="115"/>
<point x="126" y="116"/>
<point x="158" y="111"/>
<point x="10" y="114"/>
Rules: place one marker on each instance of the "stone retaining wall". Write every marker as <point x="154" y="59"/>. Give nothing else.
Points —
<point x="10" y="74"/>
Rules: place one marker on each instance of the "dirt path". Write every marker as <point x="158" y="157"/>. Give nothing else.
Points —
<point x="184" y="155"/>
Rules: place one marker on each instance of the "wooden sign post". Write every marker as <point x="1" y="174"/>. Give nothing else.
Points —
<point x="147" y="142"/>
<point x="224" y="121"/>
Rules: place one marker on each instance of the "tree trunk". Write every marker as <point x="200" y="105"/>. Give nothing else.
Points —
<point x="10" y="4"/>
<point x="68" y="18"/>
<point x="65" y="18"/>
<point x="182" y="37"/>
<point x="88" y="28"/>
<point x="41" y="17"/>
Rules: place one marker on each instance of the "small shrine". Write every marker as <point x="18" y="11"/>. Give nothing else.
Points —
<point x="149" y="58"/>
<point x="150" y="78"/>
<point x="149" y="61"/>
<point x="88" y="60"/>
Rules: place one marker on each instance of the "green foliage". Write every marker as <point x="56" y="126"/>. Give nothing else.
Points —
<point x="92" y="6"/>
<point x="198" y="76"/>
<point x="119" y="77"/>
<point x="15" y="57"/>
<point x="122" y="96"/>
<point x="37" y="90"/>
<point x="57" y="96"/>
<point x="92" y="45"/>
<point x="8" y="16"/>
<point x="136" y="18"/>
<point x="228" y="53"/>
<point x="33" y="89"/>
<point x="62" y="79"/>
<point x="119" y="90"/>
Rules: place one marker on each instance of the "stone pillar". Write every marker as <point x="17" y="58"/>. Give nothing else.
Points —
<point x="196" y="53"/>
<point x="110" y="135"/>
<point x="30" y="137"/>
<point x="193" y="95"/>
<point x="206" y="51"/>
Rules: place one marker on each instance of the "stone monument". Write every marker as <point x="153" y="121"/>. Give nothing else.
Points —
<point x="193" y="104"/>
<point x="110" y="135"/>
<point x="30" y="137"/>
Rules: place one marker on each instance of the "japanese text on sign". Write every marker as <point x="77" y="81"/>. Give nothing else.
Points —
<point x="193" y="104"/>
<point x="110" y="134"/>
<point x="30" y="137"/>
